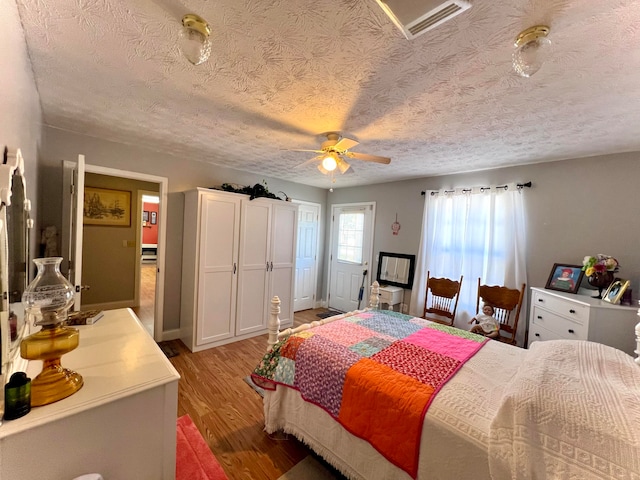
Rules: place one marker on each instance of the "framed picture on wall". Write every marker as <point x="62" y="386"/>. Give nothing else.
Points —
<point x="145" y="215"/>
<point x="106" y="207"/>
<point x="154" y="218"/>
<point x="565" y="278"/>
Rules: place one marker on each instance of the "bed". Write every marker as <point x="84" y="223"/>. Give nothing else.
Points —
<point x="563" y="409"/>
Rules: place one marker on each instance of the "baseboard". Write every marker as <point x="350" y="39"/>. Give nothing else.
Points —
<point x="170" y="334"/>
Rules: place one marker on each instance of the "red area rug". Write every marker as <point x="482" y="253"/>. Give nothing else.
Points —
<point x="194" y="460"/>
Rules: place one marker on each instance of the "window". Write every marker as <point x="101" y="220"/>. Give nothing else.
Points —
<point x="351" y="237"/>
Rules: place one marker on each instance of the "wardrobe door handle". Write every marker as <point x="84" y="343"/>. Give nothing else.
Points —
<point x="234" y="268"/>
<point x="572" y="311"/>
<point x="571" y="330"/>
<point x="537" y="334"/>
<point x="541" y="300"/>
<point x="539" y="317"/>
<point x="272" y="266"/>
<point x="267" y="266"/>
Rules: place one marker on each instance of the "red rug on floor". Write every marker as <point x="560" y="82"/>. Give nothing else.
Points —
<point x="194" y="460"/>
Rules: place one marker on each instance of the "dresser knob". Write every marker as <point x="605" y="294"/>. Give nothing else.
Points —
<point x="571" y="330"/>
<point x="572" y="311"/>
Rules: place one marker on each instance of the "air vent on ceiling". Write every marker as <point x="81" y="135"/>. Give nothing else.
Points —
<point x="416" y="17"/>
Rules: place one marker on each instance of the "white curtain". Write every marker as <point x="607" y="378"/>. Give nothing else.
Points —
<point x="477" y="233"/>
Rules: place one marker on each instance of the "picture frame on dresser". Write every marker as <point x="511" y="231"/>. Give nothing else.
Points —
<point x="615" y="291"/>
<point x="565" y="278"/>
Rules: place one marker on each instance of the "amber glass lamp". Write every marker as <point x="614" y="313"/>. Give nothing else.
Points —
<point x="48" y="299"/>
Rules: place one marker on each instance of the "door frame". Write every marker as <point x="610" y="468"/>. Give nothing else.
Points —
<point x="318" y="237"/>
<point x="163" y="184"/>
<point x="368" y="262"/>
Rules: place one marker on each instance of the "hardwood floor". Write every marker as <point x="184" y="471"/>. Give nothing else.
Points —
<point x="229" y="413"/>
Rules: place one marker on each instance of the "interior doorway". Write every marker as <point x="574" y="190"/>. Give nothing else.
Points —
<point x="306" y="277"/>
<point x="148" y="207"/>
<point x="76" y="238"/>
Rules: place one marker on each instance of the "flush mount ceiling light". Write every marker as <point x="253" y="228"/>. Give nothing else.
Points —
<point x="194" y="38"/>
<point x="531" y="50"/>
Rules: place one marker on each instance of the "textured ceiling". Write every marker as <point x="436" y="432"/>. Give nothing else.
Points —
<point x="282" y="72"/>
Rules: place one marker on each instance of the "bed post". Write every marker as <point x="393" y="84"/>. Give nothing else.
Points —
<point x="374" y="298"/>
<point x="273" y="325"/>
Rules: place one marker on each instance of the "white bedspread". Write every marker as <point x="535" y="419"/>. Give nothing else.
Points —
<point x="455" y="434"/>
<point x="571" y="412"/>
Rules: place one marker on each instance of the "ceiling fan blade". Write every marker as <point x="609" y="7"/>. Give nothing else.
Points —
<point x="345" y="144"/>
<point x="311" y="160"/>
<point x="301" y="150"/>
<point x="368" y="158"/>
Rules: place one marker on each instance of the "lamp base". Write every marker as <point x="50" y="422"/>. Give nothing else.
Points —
<point x="54" y="382"/>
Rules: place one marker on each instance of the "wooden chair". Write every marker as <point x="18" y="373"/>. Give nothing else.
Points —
<point x="507" y="303"/>
<point x="444" y="294"/>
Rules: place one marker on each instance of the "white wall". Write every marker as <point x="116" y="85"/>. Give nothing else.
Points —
<point x="575" y="208"/>
<point x="183" y="174"/>
<point x="20" y="113"/>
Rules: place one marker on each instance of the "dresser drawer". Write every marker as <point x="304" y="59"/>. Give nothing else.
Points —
<point x="540" y="334"/>
<point x="391" y="295"/>
<point x="577" y="312"/>
<point x="558" y="325"/>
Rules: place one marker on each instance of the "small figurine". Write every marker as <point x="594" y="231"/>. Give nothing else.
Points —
<point x="487" y="325"/>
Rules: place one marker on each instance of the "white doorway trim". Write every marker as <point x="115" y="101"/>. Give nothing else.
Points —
<point x="162" y="236"/>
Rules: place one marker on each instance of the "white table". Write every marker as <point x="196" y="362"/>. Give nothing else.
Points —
<point x="121" y="423"/>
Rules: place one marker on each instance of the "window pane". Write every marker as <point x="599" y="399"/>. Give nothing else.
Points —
<point x="350" y="237"/>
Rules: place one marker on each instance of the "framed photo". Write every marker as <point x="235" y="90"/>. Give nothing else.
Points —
<point x="107" y="207"/>
<point x="154" y="218"/>
<point x="145" y="215"/>
<point x="615" y="291"/>
<point x="565" y="278"/>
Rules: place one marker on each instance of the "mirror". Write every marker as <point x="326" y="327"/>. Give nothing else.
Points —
<point x="14" y="254"/>
<point x="396" y="269"/>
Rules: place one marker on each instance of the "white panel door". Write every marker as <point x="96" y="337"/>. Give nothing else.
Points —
<point x="72" y="223"/>
<point x="217" y="272"/>
<point x="351" y="250"/>
<point x="306" y="256"/>
<point x="282" y="263"/>
<point x="255" y="228"/>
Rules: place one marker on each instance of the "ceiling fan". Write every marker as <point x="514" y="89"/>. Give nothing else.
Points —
<point x="333" y="151"/>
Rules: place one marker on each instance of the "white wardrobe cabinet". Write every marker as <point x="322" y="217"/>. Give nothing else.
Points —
<point x="237" y="254"/>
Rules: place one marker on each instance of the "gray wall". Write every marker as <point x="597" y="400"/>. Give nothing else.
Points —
<point x="20" y="113"/>
<point x="575" y="208"/>
<point x="183" y="174"/>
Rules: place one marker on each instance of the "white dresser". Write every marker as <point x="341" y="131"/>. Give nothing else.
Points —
<point x="121" y="423"/>
<point x="558" y="315"/>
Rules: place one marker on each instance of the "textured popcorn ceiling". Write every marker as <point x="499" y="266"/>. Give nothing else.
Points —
<point x="284" y="71"/>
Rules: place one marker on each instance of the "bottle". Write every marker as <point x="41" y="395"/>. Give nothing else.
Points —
<point x="17" y="396"/>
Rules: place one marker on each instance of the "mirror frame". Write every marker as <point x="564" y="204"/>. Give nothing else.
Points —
<point x="16" y="211"/>
<point x="412" y="268"/>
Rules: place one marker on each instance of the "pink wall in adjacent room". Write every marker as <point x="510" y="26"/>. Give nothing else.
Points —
<point x="150" y="231"/>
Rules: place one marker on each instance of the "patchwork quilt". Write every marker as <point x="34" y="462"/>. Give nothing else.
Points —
<point x="375" y="372"/>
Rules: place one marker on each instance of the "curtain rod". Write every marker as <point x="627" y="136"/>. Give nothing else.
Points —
<point x="519" y="186"/>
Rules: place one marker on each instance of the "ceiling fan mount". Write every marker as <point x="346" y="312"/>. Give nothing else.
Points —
<point x="334" y="149"/>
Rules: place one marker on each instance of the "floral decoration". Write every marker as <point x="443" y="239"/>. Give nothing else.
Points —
<point x="599" y="264"/>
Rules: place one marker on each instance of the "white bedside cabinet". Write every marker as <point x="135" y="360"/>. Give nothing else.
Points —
<point x="559" y="315"/>
<point x="391" y="296"/>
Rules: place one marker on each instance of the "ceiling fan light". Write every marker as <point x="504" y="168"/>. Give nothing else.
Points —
<point x="342" y="165"/>
<point x="532" y="48"/>
<point x="329" y="163"/>
<point x="194" y="39"/>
